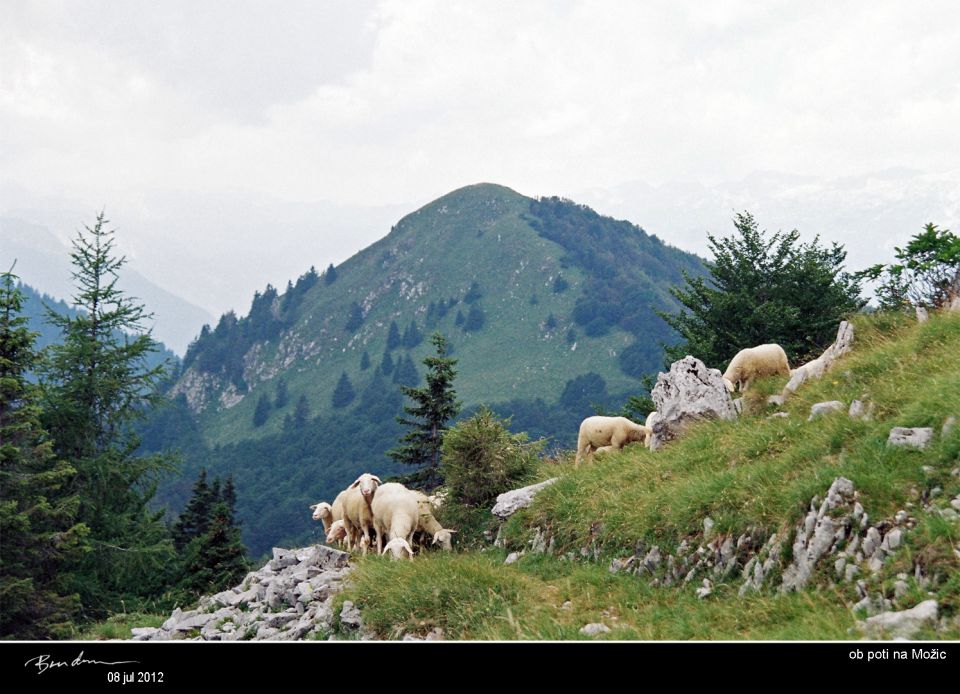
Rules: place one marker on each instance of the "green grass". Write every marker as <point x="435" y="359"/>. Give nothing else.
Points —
<point x="118" y="626"/>
<point x="757" y="473"/>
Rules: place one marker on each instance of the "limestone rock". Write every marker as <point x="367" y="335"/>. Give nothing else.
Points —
<point x="350" y="616"/>
<point x="594" y="629"/>
<point x="822" y="408"/>
<point x="918" y="437"/>
<point x="689" y="393"/>
<point x="903" y="624"/>
<point x="510" y="502"/>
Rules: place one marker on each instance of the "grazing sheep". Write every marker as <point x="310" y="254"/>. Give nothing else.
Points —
<point x="607" y="433"/>
<point x="430" y="526"/>
<point x="396" y="513"/>
<point x="397" y="546"/>
<point x="754" y="362"/>
<point x="651" y="420"/>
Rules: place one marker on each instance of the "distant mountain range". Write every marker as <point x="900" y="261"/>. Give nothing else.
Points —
<point x="43" y="262"/>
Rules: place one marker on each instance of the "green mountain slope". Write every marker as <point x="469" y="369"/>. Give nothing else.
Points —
<point x="754" y="478"/>
<point x="549" y="308"/>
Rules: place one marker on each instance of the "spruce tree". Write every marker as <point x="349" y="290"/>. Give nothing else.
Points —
<point x="475" y="319"/>
<point x="406" y="373"/>
<point x="412" y="335"/>
<point x="386" y="364"/>
<point x="343" y="394"/>
<point x="216" y="559"/>
<point x="281" y="398"/>
<point x="194" y="520"/>
<point x="330" y="275"/>
<point x="96" y="386"/>
<point x="364" y="361"/>
<point x="393" y="336"/>
<point x="356" y="318"/>
<point x="301" y="413"/>
<point x="433" y="407"/>
<point x="39" y="533"/>
<point x="262" y="411"/>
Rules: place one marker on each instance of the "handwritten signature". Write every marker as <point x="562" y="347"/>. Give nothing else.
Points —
<point x="43" y="662"/>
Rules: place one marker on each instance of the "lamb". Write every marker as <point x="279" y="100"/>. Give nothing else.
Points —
<point x="606" y="434"/>
<point x="396" y="513"/>
<point x="754" y="362"/>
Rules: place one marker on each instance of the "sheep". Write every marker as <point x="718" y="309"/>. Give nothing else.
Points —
<point x="607" y="433"/>
<point x="323" y="512"/>
<point x="430" y="526"/>
<point x="357" y="512"/>
<point x="397" y="546"/>
<point x="337" y="532"/>
<point x="396" y="513"/>
<point x="754" y="362"/>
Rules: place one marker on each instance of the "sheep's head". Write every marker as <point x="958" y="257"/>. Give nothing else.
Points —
<point x="367" y="484"/>
<point x="729" y="385"/>
<point x="337" y="532"/>
<point x="444" y="538"/>
<point x="322" y="511"/>
<point x="397" y="547"/>
<point x="640" y="433"/>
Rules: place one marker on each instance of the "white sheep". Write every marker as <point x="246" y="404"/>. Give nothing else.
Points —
<point x="323" y="512"/>
<point x="357" y="513"/>
<point x="599" y="433"/>
<point x="396" y="513"/>
<point x="755" y="362"/>
<point x="430" y="526"/>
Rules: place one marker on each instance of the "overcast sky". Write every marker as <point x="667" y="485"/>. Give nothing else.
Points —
<point x="178" y="110"/>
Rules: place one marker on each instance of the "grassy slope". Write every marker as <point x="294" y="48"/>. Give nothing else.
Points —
<point x="756" y="472"/>
<point x="483" y="226"/>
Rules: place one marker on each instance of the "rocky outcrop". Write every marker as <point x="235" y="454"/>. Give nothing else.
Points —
<point x="822" y="408"/>
<point x="815" y="369"/>
<point x="287" y="599"/>
<point x="918" y="437"/>
<point x="510" y="502"/>
<point x="904" y="624"/>
<point x="689" y="393"/>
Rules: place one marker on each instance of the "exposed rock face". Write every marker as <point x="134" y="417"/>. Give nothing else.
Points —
<point x="919" y="437"/>
<point x="689" y="393"/>
<point x="510" y="502"/>
<point x="595" y="629"/>
<point x="286" y="599"/>
<point x="905" y="624"/>
<point x="819" y="366"/>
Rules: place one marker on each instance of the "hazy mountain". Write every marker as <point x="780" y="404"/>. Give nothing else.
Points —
<point x="43" y="262"/>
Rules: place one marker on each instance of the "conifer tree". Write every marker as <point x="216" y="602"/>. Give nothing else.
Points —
<point x="39" y="533"/>
<point x="412" y="335"/>
<point x="216" y="558"/>
<point x="194" y="520"/>
<point x="406" y="373"/>
<point x="356" y="318"/>
<point x="433" y="407"/>
<point x="262" y="411"/>
<point x="281" y="398"/>
<point x="97" y="384"/>
<point x="365" y="361"/>
<point x="393" y="336"/>
<point x="386" y="364"/>
<point x="343" y="394"/>
<point x="301" y="413"/>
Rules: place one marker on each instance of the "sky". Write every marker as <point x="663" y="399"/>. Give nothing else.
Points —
<point x="235" y="143"/>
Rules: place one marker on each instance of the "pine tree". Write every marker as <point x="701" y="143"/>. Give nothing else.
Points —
<point x="386" y="364"/>
<point x="460" y="319"/>
<point x="216" y="559"/>
<point x="262" y="411"/>
<point x="433" y="407"/>
<point x="365" y="361"/>
<point x="330" y="275"/>
<point x="406" y="373"/>
<point x="96" y="386"/>
<point x="194" y="520"/>
<point x="356" y="318"/>
<point x="473" y="294"/>
<point x="412" y="335"/>
<point x="393" y="336"/>
<point x="301" y="414"/>
<point x="560" y="284"/>
<point x="343" y="394"/>
<point x="39" y="534"/>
